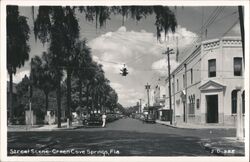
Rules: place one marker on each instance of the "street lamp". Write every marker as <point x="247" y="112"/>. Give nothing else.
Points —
<point x="147" y="88"/>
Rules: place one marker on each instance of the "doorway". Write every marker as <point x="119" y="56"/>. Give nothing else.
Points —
<point x="212" y="108"/>
<point x="184" y="112"/>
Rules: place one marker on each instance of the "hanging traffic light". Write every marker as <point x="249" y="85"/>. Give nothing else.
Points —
<point x="124" y="71"/>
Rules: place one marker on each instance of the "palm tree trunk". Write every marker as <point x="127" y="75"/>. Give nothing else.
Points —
<point x="80" y="92"/>
<point x="87" y="97"/>
<point x="69" y="96"/>
<point x="11" y="97"/>
<point x="46" y="101"/>
<point x="58" y="97"/>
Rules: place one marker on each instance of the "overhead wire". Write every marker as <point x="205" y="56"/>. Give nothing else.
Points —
<point x="210" y="21"/>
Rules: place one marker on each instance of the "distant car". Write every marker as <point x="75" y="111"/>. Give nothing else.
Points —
<point x="142" y="117"/>
<point x="149" y="118"/>
<point x="95" y="119"/>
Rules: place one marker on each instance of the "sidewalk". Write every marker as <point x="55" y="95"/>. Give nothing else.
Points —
<point x="194" y="126"/>
<point x="226" y="146"/>
<point x="53" y="127"/>
<point x="221" y="146"/>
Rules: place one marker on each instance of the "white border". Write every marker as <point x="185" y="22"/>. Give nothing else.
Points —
<point x="3" y="78"/>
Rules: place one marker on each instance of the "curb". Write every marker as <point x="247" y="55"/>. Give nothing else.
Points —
<point x="42" y="129"/>
<point x="173" y="126"/>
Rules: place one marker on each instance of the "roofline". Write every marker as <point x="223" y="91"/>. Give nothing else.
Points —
<point x="199" y="47"/>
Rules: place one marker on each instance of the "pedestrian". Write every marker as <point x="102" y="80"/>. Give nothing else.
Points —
<point x="104" y="119"/>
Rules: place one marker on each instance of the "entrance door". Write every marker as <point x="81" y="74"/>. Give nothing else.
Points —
<point x="212" y="108"/>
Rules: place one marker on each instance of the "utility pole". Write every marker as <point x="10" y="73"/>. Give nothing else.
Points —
<point x="168" y="52"/>
<point x="147" y="88"/>
<point x="186" y="96"/>
<point x="242" y="31"/>
<point x="140" y="106"/>
<point x="240" y="129"/>
<point x="177" y="49"/>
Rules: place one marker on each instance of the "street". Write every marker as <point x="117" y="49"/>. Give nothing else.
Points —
<point x="124" y="137"/>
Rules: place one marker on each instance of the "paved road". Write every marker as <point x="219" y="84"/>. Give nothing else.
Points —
<point x="125" y="137"/>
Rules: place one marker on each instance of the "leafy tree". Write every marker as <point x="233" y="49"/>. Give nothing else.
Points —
<point x="17" y="45"/>
<point x="83" y="60"/>
<point x="43" y="76"/>
<point x="164" y="18"/>
<point x="23" y="99"/>
<point x="59" y="26"/>
<point x="111" y="100"/>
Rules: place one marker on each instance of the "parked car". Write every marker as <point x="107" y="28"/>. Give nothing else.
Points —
<point x="95" y="119"/>
<point x="149" y="118"/>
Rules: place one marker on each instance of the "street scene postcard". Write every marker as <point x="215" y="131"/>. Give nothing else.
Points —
<point x="116" y="80"/>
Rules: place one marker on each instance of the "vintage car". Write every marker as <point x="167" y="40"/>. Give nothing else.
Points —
<point x="149" y="118"/>
<point x="94" y="119"/>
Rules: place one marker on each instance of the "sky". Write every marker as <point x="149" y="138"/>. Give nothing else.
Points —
<point x="135" y="45"/>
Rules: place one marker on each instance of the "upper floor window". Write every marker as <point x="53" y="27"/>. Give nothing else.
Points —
<point x="173" y="88"/>
<point x="191" y="71"/>
<point x="212" y="68"/>
<point x="237" y="66"/>
<point x="177" y="85"/>
<point x="183" y="80"/>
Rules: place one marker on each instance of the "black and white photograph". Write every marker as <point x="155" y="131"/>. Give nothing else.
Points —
<point x="134" y="80"/>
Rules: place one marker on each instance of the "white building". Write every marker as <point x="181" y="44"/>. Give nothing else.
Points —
<point x="203" y="86"/>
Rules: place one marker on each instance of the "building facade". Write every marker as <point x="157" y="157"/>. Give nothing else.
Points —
<point x="204" y="86"/>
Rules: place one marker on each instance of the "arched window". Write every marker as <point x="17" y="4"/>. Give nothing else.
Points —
<point x="234" y="101"/>
<point x="237" y="66"/>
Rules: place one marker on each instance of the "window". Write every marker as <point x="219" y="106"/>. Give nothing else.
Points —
<point x="243" y="102"/>
<point x="234" y="101"/>
<point x="172" y="88"/>
<point x="177" y="85"/>
<point x="191" y="104"/>
<point x="197" y="103"/>
<point x="183" y="80"/>
<point x="212" y="68"/>
<point x="191" y="71"/>
<point x="237" y="66"/>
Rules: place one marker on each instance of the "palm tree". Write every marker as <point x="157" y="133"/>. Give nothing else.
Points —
<point x="59" y="26"/>
<point x="17" y="45"/>
<point x="43" y="76"/>
<point x="96" y="85"/>
<point x="83" y="60"/>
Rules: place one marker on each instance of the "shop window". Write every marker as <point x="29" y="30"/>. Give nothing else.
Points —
<point x="243" y="102"/>
<point x="197" y="103"/>
<point x="191" y="104"/>
<point x="234" y="101"/>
